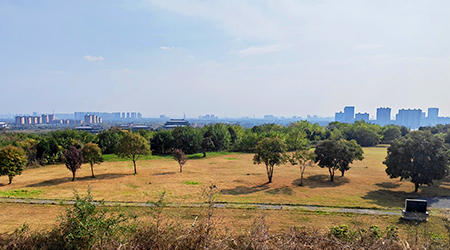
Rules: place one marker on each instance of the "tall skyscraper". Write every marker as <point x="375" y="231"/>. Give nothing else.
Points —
<point x="433" y="114"/>
<point x="383" y="116"/>
<point x="349" y="114"/>
<point x="409" y="118"/>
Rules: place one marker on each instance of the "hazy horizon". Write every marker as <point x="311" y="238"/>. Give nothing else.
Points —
<point x="243" y="58"/>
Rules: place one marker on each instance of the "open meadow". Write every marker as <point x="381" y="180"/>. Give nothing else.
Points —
<point x="237" y="179"/>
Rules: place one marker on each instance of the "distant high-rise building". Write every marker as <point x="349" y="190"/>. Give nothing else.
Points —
<point x="409" y="118"/>
<point x="116" y="116"/>
<point x="128" y="115"/>
<point x="139" y="115"/>
<point x="383" y="116"/>
<point x="133" y="115"/>
<point x="362" y="117"/>
<point x="20" y="120"/>
<point x="349" y="114"/>
<point x="339" y="117"/>
<point x="123" y="115"/>
<point x="432" y="118"/>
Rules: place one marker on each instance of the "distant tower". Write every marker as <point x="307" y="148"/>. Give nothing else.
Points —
<point x="383" y="116"/>
<point x="349" y="114"/>
<point x="339" y="117"/>
<point x="433" y="114"/>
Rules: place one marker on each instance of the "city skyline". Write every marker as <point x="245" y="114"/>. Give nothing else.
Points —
<point x="117" y="115"/>
<point x="242" y="58"/>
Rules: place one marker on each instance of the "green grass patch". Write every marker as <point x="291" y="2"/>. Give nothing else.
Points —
<point x="132" y="186"/>
<point x="191" y="182"/>
<point x="232" y="159"/>
<point x="23" y="193"/>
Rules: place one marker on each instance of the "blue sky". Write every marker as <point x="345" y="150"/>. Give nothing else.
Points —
<point x="238" y="57"/>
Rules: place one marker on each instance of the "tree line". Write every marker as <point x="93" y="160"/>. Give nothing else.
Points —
<point x="336" y="147"/>
<point x="48" y="148"/>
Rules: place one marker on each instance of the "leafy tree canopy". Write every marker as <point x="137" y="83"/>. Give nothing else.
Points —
<point x="270" y="151"/>
<point x="132" y="146"/>
<point x="12" y="161"/>
<point x="420" y="156"/>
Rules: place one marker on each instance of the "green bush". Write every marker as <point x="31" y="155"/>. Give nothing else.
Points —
<point x="85" y="226"/>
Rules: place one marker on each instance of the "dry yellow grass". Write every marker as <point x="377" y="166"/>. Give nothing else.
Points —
<point x="239" y="180"/>
<point x="43" y="217"/>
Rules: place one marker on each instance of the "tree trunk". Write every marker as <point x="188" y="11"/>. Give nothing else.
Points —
<point x="416" y="187"/>
<point x="204" y="154"/>
<point x="181" y="168"/>
<point x="331" y="174"/>
<point x="92" y="170"/>
<point x="134" y="164"/>
<point x="269" y="176"/>
<point x="73" y="175"/>
<point x="10" y="179"/>
<point x="343" y="172"/>
<point x="302" y="170"/>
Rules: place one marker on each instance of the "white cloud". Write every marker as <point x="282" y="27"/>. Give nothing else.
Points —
<point x="166" y="48"/>
<point x="259" y="50"/>
<point x="94" y="58"/>
<point x="367" y="46"/>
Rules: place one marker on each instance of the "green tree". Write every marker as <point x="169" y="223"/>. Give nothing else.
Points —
<point x="337" y="155"/>
<point x="180" y="157"/>
<point x="162" y="142"/>
<point x="109" y="139"/>
<point x="187" y="139"/>
<point x="302" y="158"/>
<point x="420" y="156"/>
<point x="12" y="161"/>
<point x="350" y="151"/>
<point x="92" y="154"/>
<point x="390" y="133"/>
<point x="207" y="145"/>
<point x="73" y="159"/>
<point x="271" y="152"/>
<point x="132" y="146"/>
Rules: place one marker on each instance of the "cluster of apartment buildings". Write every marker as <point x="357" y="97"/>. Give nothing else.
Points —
<point x="115" y="116"/>
<point x="411" y="118"/>
<point x="50" y="119"/>
<point x="43" y="119"/>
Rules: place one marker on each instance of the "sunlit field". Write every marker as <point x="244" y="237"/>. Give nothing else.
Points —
<point x="237" y="179"/>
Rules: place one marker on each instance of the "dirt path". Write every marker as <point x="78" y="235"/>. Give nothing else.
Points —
<point x="217" y="205"/>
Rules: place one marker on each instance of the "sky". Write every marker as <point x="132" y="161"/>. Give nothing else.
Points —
<point x="230" y="58"/>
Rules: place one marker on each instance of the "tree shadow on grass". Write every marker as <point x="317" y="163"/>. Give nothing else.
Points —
<point x="284" y="190"/>
<point x="388" y="185"/>
<point x="164" y="173"/>
<point x="388" y="198"/>
<point x="321" y="180"/>
<point x="58" y="181"/>
<point x="244" y="190"/>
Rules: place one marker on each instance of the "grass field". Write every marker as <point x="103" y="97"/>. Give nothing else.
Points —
<point x="236" y="177"/>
